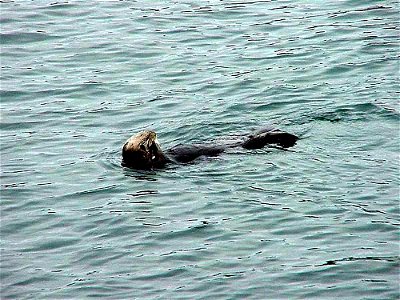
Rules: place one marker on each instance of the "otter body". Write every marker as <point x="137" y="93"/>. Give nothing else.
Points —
<point x="142" y="151"/>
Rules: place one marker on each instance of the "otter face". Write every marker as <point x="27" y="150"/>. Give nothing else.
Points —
<point x="142" y="151"/>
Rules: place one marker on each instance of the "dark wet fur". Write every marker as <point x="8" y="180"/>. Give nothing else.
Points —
<point x="272" y="136"/>
<point x="139" y="159"/>
<point x="187" y="153"/>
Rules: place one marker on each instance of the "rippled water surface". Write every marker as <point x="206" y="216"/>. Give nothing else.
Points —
<point x="319" y="221"/>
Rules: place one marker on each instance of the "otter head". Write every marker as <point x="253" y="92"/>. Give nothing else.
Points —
<point x="142" y="151"/>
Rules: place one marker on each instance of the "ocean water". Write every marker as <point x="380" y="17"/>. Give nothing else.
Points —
<point x="320" y="221"/>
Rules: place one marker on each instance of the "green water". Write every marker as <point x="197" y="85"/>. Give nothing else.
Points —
<point x="318" y="222"/>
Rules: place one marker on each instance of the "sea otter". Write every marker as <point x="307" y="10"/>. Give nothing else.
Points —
<point x="142" y="151"/>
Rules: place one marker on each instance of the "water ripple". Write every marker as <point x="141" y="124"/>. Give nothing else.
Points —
<point x="77" y="82"/>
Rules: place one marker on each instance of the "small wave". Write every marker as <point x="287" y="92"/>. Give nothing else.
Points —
<point x="24" y="37"/>
<point x="354" y="112"/>
<point x="109" y="160"/>
<point x="394" y="259"/>
<point x="52" y="244"/>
